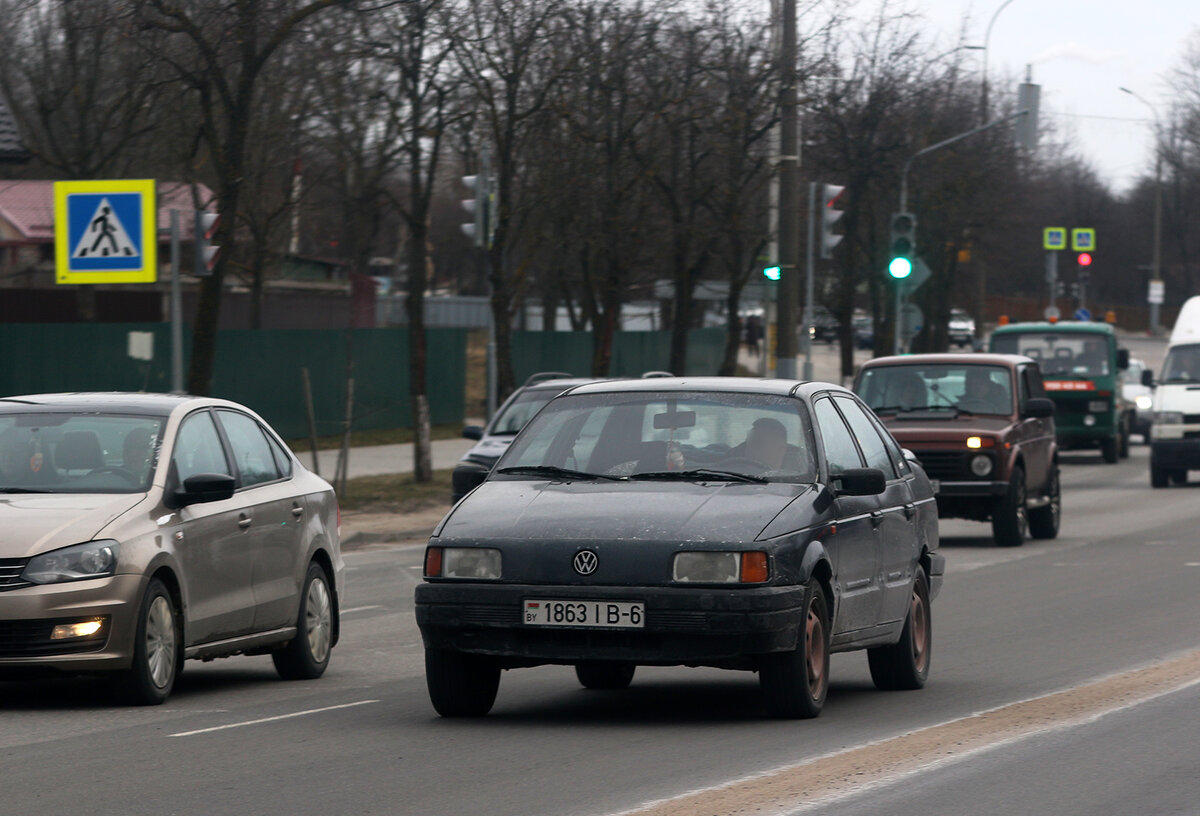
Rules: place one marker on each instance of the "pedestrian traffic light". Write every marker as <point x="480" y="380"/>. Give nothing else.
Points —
<point x="476" y="228"/>
<point x="772" y="273"/>
<point x="830" y="215"/>
<point x="903" y="245"/>
<point x="207" y="224"/>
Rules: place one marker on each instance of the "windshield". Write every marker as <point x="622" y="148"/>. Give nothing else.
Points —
<point x="697" y="435"/>
<point x="1059" y="353"/>
<point x="953" y="389"/>
<point x="1182" y="365"/>
<point x="77" y="453"/>
<point x="514" y="416"/>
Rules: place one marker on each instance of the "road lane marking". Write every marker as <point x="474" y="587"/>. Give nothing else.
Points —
<point x="361" y="608"/>
<point x="843" y="774"/>
<point x="270" y="719"/>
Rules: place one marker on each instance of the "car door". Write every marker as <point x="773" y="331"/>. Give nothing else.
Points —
<point x="852" y="546"/>
<point x="895" y="530"/>
<point x="211" y="540"/>
<point x="1036" y="433"/>
<point x="276" y="514"/>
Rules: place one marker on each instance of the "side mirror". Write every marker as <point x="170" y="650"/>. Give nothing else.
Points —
<point x="1122" y="359"/>
<point x="202" y="488"/>
<point x="1039" y="407"/>
<point x="861" y="482"/>
<point x="473" y="432"/>
<point x="1147" y="378"/>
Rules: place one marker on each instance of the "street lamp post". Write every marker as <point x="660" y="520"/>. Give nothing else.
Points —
<point x="1156" y="262"/>
<point x="983" y="99"/>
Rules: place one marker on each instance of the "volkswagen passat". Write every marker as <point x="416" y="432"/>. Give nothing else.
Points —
<point x="737" y="523"/>
<point x="139" y="530"/>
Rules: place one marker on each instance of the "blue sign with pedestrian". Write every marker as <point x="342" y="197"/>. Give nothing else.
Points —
<point x="1083" y="314"/>
<point x="105" y="231"/>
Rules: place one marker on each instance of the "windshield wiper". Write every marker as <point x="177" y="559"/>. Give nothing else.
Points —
<point x="562" y="473"/>
<point x="701" y="473"/>
<point x="22" y="490"/>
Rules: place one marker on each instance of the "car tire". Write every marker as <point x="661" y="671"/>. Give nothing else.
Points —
<point x="1110" y="450"/>
<point x="1123" y="441"/>
<point x="1010" y="519"/>
<point x="461" y="684"/>
<point x="157" y="649"/>
<point x="904" y="666"/>
<point x="1178" y="477"/>
<point x="1159" y="476"/>
<point x="306" y="656"/>
<point x="605" y="675"/>
<point x="794" y="683"/>
<point x="1043" y="521"/>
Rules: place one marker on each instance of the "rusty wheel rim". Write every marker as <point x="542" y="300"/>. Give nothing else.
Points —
<point x="814" y="650"/>
<point x="919" y="616"/>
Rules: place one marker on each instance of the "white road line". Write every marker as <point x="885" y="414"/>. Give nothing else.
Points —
<point x="361" y="608"/>
<point x="271" y="719"/>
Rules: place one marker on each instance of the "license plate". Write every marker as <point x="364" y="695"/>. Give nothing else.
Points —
<point x="605" y="614"/>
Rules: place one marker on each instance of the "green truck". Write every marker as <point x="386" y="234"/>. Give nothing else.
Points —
<point x="1081" y="366"/>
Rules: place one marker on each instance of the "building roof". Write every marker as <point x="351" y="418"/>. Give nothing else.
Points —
<point x="29" y="207"/>
<point x="11" y="149"/>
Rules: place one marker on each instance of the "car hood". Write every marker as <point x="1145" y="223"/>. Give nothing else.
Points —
<point x="633" y="511"/>
<point x="488" y="449"/>
<point x="33" y="523"/>
<point x="923" y="429"/>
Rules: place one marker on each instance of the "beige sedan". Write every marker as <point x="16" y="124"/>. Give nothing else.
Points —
<point x="140" y="530"/>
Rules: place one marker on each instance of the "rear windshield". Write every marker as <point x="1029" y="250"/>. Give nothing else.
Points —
<point x="1059" y="353"/>
<point x="77" y="453"/>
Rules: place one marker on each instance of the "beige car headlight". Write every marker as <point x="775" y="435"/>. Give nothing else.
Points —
<point x="720" y="567"/>
<point x="479" y="563"/>
<point x="80" y="562"/>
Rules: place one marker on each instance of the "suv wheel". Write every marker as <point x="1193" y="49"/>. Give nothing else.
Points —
<point x="1109" y="449"/>
<point x="461" y="684"/>
<point x="794" y="684"/>
<point x="1043" y="521"/>
<point x="1158" y="475"/>
<point x="1178" y="477"/>
<point x="905" y="665"/>
<point x="1123" y="440"/>
<point x="1010" y="519"/>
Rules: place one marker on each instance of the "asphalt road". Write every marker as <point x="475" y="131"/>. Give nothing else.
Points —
<point x="1116" y="592"/>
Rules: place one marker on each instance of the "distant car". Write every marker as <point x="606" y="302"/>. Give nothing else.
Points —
<point x="140" y="530"/>
<point x="961" y="329"/>
<point x="864" y="332"/>
<point x="1137" y="387"/>
<point x="824" y="328"/>
<point x="722" y="521"/>
<point x="983" y="426"/>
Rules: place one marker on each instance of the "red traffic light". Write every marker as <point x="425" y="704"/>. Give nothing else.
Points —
<point x="1085" y="259"/>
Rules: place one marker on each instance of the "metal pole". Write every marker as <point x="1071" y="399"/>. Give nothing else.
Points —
<point x="1052" y="275"/>
<point x="808" y="283"/>
<point x="896" y="331"/>
<point x="789" y="175"/>
<point x="176" y="310"/>
<point x="1155" y="328"/>
<point x="983" y="100"/>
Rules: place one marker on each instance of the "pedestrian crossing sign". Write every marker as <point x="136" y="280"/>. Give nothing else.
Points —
<point x="106" y="231"/>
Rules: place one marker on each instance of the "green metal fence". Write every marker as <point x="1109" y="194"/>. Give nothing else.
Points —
<point x="634" y="352"/>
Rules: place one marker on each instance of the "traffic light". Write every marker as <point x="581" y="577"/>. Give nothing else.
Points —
<point x="830" y="215"/>
<point x="1084" y="259"/>
<point x="482" y="207"/>
<point x="902" y="247"/>
<point x="772" y="273"/>
<point x="207" y="224"/>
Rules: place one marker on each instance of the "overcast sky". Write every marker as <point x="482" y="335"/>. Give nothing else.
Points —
<point x="1081" y="51"/>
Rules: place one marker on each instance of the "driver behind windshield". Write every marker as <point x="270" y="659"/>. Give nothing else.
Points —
<point x="766" y="443"/>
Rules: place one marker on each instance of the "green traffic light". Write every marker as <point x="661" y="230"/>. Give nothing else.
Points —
<point x="900" y="268"/>
<point x="772" y="272"/>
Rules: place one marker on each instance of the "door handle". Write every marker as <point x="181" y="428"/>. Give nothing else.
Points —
<point x="244" y="521"/>
<point x="909" y="511"/>
<point x="297" y="510"/>
<point x="876" y="517"/>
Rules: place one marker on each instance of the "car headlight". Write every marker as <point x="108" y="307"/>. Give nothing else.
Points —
<point x="1145" y="402"/>
<point x="720" y="567"/>
<point x="80" y="562"/>
<point x="981" y="465"/>
<point x="480" y="563"/>
<point x="1168" y="418"/>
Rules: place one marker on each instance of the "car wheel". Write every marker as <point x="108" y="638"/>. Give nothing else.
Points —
<point x="157" y="649"/>
<point x="1010" y="520"/>
<point x="905" y="665"/>
<point x="1043" y="521"/>
<point x="460" y="684"/>
<point x="306" y="656"/>
<point x="1178" y="477"/>
<point x="1109" y="450"/>
<point x="794" y="684"/>
<point x="1158" y="476"/>
<point x="1123" y="441"/>
<point x="605" y="675"/>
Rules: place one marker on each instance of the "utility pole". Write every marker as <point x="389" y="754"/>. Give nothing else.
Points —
<point x="789" y="178"/>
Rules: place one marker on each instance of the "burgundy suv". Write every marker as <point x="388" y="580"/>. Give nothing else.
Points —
<point x="983" y="427"/>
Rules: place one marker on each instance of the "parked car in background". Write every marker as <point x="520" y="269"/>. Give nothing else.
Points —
<point x="983" y="427"/>
<point x="1137" y="387"/>
<point x="141" y="530"/>
<point x="721" y="521"/>
<point x="825" y="326"/>
<point x="961" y="328"/>
<point x="864" y="332"/>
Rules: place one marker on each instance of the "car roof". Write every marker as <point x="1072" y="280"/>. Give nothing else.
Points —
<point x="716" y="385"/>
<point x="1075" y="326"/>
<point x="950" y="358"/>
<point x="107" y="402"/>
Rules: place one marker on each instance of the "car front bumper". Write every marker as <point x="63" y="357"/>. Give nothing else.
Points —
<point x="28" y="616"/>
<point x="683" y="625"/>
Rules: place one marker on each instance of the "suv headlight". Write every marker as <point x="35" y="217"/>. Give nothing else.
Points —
<point x="80" y="562"/>
<point x="981" y="464"/>
<point x="1168" y="418"/>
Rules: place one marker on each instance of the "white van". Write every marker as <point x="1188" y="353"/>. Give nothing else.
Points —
<point x="1175" y="432"/>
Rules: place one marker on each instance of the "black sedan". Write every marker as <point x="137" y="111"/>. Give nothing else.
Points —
<point x="736" y="523"/>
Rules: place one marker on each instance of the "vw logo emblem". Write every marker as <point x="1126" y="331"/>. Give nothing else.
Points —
<point x="585" y="562"/>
